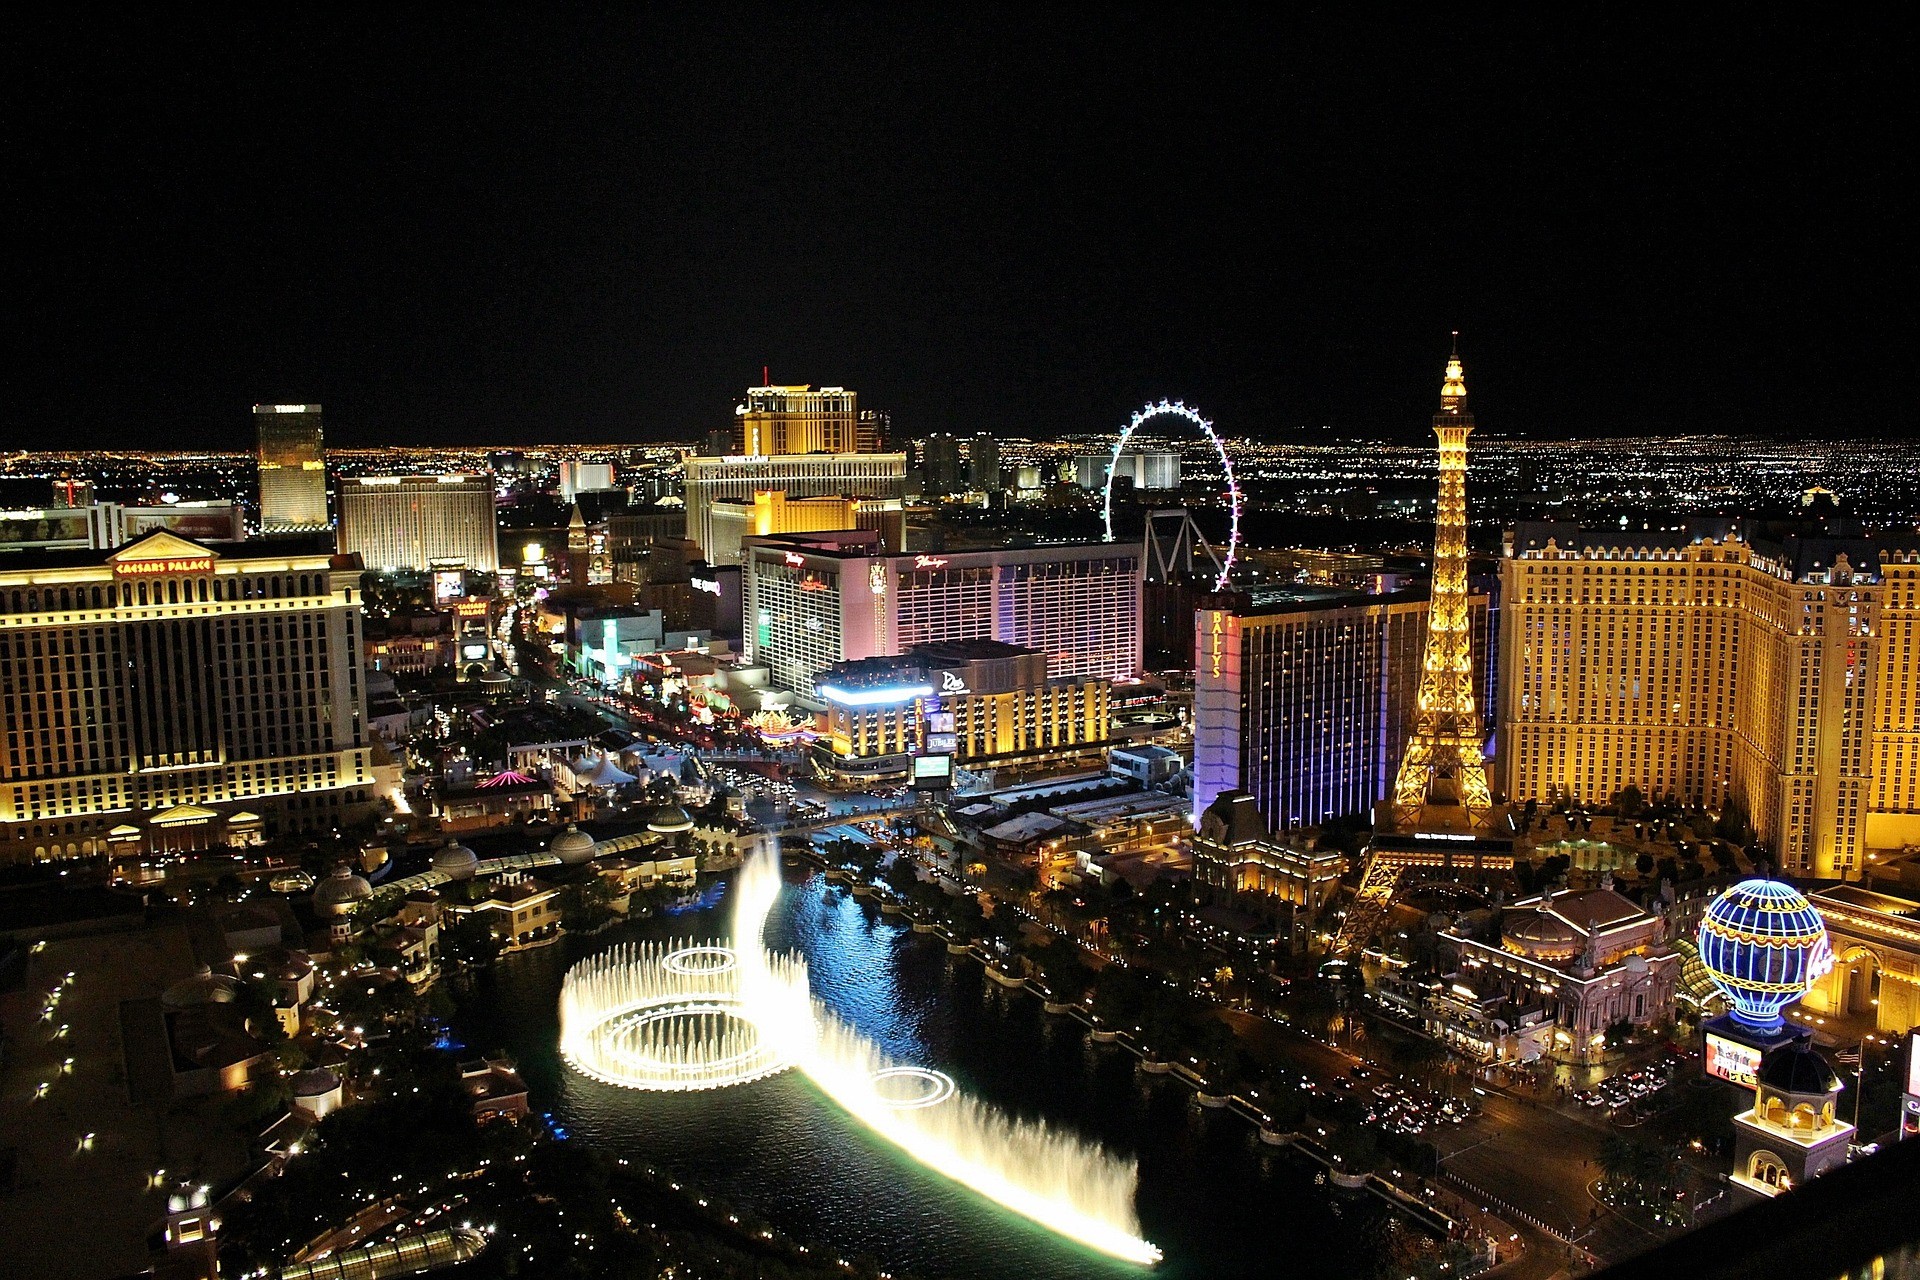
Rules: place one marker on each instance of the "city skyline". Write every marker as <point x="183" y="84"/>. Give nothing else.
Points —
<point x="810" y="713"/>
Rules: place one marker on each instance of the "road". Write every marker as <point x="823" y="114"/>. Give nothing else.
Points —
<point x="1536" y="1159"/>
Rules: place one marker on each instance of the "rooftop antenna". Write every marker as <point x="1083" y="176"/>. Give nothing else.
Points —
<point x="766" y="370"/>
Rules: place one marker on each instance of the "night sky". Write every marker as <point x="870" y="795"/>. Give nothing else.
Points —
<point x="461" y="229"/>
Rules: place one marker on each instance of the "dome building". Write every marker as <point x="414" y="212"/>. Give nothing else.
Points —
<point x="204" y="987"/>
<point x="341" y="893"/>
<point x="318" y="1092"/>
<point x="456" y="862"/>
<point x="669" y="819"/>
<point x="1541" y="935"/>
<point x="573" y="847"/>
<point x="1567" y="966"/>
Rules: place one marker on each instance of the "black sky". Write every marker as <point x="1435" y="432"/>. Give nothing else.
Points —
<point x="451" y="227"/>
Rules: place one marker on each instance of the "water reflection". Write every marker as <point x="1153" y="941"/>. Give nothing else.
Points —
<point x="1219" y="1203"/>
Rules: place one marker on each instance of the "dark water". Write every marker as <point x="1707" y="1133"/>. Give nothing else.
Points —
<point x="1218" y="1202"/>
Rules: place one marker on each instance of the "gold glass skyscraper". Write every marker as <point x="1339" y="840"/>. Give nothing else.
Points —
<point x="293" y="468"/>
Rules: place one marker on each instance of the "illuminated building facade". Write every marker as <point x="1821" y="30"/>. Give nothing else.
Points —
<point x="1703" y="664"/>
<point x="577" y="477"/>
<point x="1874" y="934"/>
<point x="1239" y="863"/>
<point x="988" y="704"/>
<point x="812" y="600"/>
<point x="293" y="468"/>
<point x="739" y="477"/>
<point x="1307" y="705"/>
<point x="772" y="511"/>
<point x="157" y="693"/>
<point x="1154" y="469"/>
<point x="1589" y="958"/>
<point x="776" y="421"/>
<point x="105" y="525"/>
<point x="420" y="522"/>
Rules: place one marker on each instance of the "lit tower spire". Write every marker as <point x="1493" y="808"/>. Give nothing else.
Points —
<point x="1443" y="763"/>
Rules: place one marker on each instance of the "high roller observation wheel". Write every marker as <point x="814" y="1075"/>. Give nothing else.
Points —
<point x="1178" y="409"/>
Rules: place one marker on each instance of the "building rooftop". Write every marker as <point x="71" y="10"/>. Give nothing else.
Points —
<point x="1594" y="910"/>
<point x="277" y="547"/>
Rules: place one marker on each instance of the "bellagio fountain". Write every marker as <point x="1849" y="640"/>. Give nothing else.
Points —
<point x="651" y="1017"/>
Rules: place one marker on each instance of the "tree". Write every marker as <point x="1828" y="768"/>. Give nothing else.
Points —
<point x="470" y="940"/>
<point x="1619" y="1032"/>
<point x="1355" y="1148"/>
<point x="1616" y="1159"/>
<point x="1628" y="801"/>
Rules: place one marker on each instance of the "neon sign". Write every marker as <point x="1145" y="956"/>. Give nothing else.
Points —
<point x="795" y="559"/>
<point x="883" y="696"/>
<point x="929" y="562"/>
<point x="173" y="564"/>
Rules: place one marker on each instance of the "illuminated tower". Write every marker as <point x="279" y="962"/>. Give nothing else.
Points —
<point x="1443" y="764"/>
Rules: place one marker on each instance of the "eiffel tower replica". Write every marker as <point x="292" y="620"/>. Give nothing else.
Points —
<point x="1443" y="765"/>
<point x="1442" y="784"/>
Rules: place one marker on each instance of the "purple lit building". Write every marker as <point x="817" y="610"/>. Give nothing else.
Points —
<point x="1304" y="705"/>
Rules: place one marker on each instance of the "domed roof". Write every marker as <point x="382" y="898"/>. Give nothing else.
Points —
<point x="456" y="861"/>
<point x="283" y="964"/>
<point x="315" y="1083"/>
<point x="1541" y="935"/>
<point x="1763" y="945"/>
<point x="204" y="987"/>
<point x="341" y="891"/>
<point x="669" y="819"/>
<point x="573" y="847"/>
<point x="1796" y="1068"/>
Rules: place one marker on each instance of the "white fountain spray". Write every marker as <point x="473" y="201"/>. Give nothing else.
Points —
<point x="705" y="1017"/>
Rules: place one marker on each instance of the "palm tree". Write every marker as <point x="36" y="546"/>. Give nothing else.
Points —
<point x="1618" y="1159"/>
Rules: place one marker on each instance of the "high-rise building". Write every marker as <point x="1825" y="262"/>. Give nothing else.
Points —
<point x="174" y="694"/>
<point x="983" y="463"/>
<point x="775" y="421"/>
<point x="1306" y="705"/>
<point x="941" y="469"/>
<point x="293" y="468"/>
<point x="859" y="475"/>
<point x="1780" y="678"/>
<point x="1157" y="470"/>
<point x="577" y="477"/>
<point x="420" y="522"/>
<point x="774" y="511"/>
<point x="816" y="599"/>
<point x="1444" y="766"/>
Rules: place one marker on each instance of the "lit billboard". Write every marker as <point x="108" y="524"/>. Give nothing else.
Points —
<point x="1732" y="1061"/>
<point x="932" y="773"/>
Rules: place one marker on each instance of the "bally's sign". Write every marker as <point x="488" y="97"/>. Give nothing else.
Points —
<point x="172" y="564"/>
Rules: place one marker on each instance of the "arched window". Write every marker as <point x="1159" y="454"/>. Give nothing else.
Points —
<point x="1764" y="1166"/>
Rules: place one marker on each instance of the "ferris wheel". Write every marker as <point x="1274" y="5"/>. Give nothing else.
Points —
<point x="1176" y="409"/>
